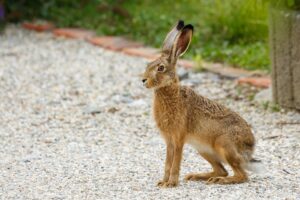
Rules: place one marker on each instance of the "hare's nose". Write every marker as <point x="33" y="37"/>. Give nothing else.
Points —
<point x="144" y="80"/>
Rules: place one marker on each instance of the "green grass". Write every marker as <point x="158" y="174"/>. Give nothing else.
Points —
<point x="253" y="56"/>
<point x="232" y="31"/>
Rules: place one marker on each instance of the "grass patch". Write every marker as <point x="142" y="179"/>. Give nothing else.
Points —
<point x="273" y="107"/>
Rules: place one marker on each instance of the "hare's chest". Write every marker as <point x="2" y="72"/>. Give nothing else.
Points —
<point x="169" y="119"/>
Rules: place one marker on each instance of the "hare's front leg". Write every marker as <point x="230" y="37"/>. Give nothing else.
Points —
<point x="174" y="172"/>
<point x="168" y="164"/>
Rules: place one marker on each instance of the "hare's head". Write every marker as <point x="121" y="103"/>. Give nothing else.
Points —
<point x="162" y="71"/>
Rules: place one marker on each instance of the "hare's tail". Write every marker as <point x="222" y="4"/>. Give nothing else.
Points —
<point x="252" y="164"/>
<point x="255" y="166"/>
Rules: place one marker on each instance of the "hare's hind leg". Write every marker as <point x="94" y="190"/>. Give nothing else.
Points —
<point x="228" y="152"/>
<point x="218" y="169"/>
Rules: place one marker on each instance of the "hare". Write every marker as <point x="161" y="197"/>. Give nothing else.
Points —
<point x="182" y="116"/>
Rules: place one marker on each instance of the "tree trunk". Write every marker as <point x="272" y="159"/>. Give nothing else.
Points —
<point x="285" y="57"/>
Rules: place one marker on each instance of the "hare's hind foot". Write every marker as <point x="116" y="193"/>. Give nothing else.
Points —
<point x="218" y="169"/>
<point x="229" y="153"/>
<point x="227" y="180"/>
<point x="204" y="176"/>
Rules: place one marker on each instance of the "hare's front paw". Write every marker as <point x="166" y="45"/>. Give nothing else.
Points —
<point x="167" y="184"/>
<point x="171" y="184"/>
<point x="161" y="183"/>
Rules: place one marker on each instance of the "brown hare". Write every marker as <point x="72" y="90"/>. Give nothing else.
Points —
<point x="182" y="116"/>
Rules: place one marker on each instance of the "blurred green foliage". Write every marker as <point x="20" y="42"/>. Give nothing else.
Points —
<point x="287" y="4"/>
<point x="231" y="31"/>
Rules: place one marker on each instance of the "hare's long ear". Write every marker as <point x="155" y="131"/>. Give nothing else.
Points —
<point x="171" y="37"/>
<point x="182" y="41"/>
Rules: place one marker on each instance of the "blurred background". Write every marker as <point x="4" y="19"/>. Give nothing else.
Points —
<point x="232" y="31"/>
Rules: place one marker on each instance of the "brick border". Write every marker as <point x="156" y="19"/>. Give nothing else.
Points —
<point x="261" y="82"/>
<point x="75" y="33"/>
<point x="114" y="43"/>
<point x="39" y="27"/>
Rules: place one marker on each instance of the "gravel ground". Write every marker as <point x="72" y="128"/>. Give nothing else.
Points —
<point x="76" y="123"/>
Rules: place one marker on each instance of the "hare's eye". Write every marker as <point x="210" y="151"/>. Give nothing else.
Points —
<point x="161" y="68"/>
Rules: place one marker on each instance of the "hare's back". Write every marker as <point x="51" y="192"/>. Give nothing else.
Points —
<point x="198" y="104"/>
<point x="203" y="112"/>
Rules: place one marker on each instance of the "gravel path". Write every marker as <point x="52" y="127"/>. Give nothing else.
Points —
<point x="76" y="123"/>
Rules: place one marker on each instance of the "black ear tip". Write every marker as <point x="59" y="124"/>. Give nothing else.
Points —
<point x="180" y="25"/>
<point x="189" y="26"/>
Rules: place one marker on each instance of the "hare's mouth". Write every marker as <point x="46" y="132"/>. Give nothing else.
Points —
<point x="146" y="85"/>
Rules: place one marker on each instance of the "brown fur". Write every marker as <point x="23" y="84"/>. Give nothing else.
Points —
<point x="182" y="116"/>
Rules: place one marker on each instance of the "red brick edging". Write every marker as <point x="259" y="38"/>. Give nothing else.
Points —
<point x="114" y="43"/>
<point x="145" y="52"/>
<point x="39" y="27"/>
<point x="261" y="82"/>
<point x="75" y="33"/>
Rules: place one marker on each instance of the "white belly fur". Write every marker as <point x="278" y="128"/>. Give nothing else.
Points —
<point x="200" y="147"/>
